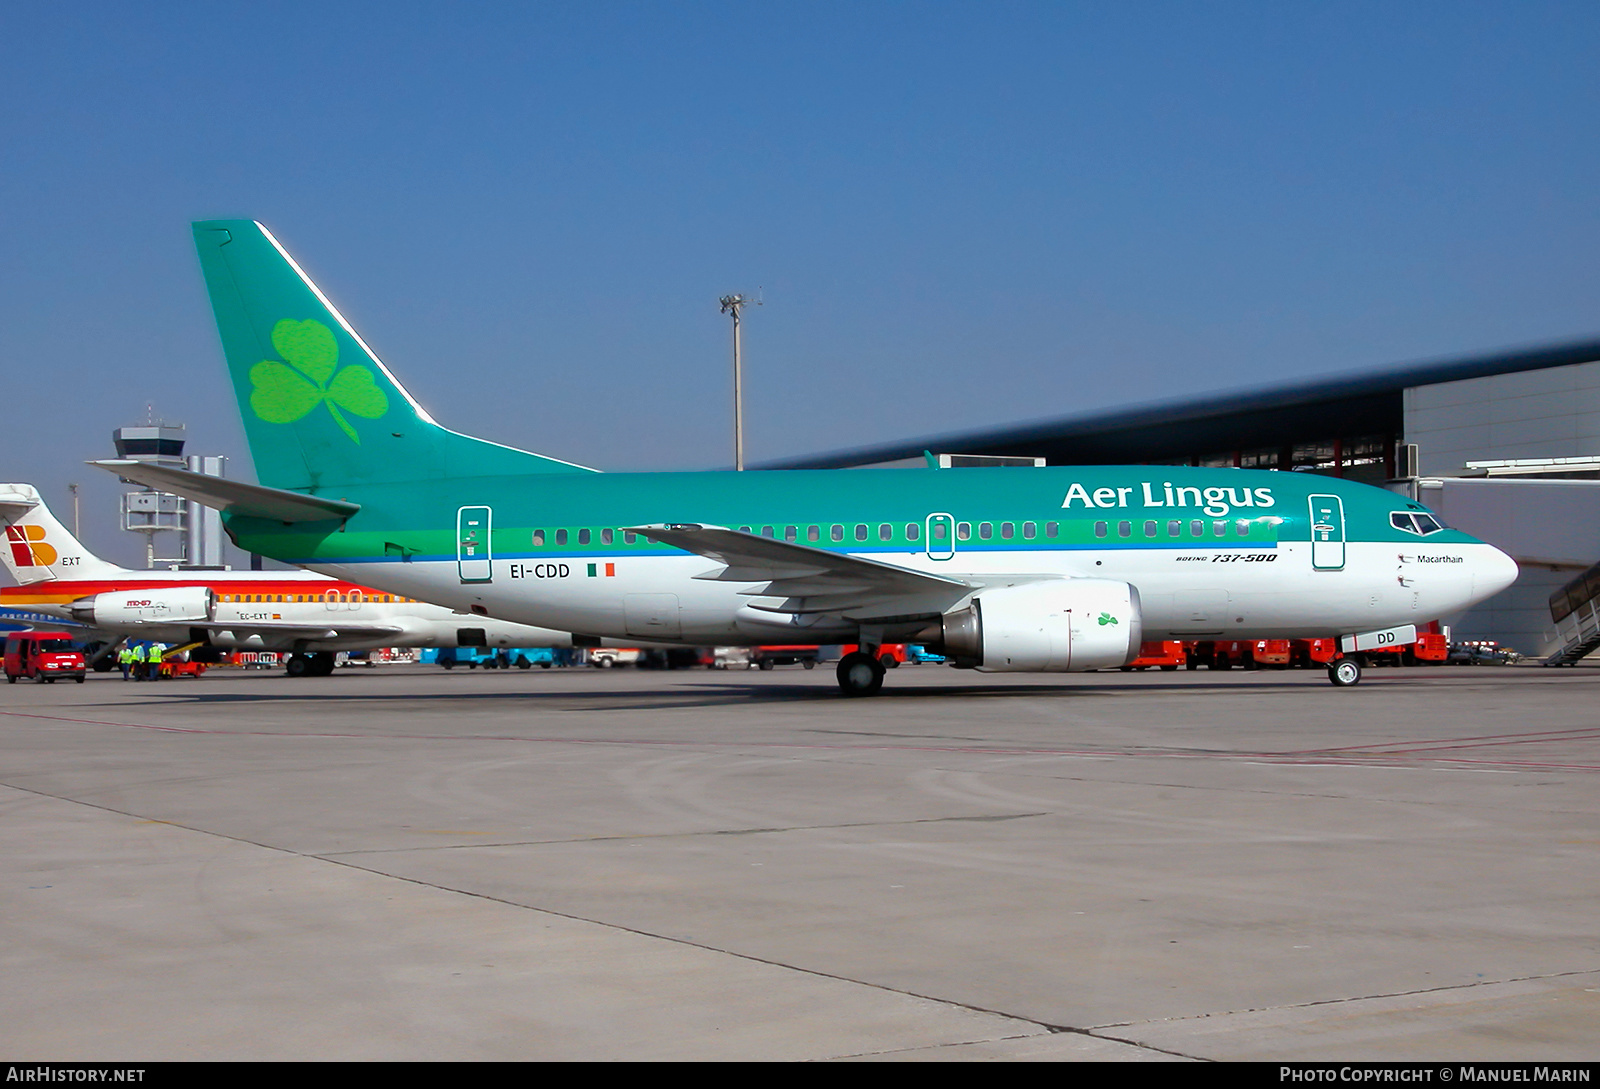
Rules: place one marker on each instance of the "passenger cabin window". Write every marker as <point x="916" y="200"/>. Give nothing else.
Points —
<point x="813" y="533"/>
<point x="1099" y="529"/>
<point x="791" y="533"/>
<point x="538" y="537"/>
<point x="583" y="536"/>
<point x="1052" y="528"/>
<point x="913" y="531"/>
<point x="561" y="536"/>
<point x="1174" y="528"/>
<point x="1124" y="529"/>
<point x="605" y="536"/>
<point x="985" y="530"/>
<point x="836" y="533"/>
<point x="1007" y="530"/>
<point x="861" y="532"/>
<point x="1150" y="528"/>
<point x="963" y="531"/>
<point x="1197" y="528"/>
<point x="629" y="538"/>
<point x="885" y="532"/>
<point x="1028" y="531"/>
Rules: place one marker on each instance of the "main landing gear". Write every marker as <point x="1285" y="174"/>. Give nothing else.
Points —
<point x="1344" y="672"/>
<point x="319" y="664"/>
<point x="860" y="674"/>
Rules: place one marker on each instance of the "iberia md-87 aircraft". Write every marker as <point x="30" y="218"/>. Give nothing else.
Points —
<point x="310" y="616"/>
<point x="1028" y="570"/>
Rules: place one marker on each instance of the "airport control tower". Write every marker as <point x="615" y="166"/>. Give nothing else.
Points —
<point x="198" y="530"/>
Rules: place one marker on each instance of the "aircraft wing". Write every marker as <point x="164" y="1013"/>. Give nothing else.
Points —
<point x="244" y="628"/>
<point x="810" y="580"/>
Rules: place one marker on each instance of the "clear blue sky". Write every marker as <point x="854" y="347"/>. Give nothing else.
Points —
<point x="960" y="214"/>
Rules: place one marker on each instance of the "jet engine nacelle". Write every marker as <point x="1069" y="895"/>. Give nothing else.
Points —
<point x="1060" y="626"/>
<point x="153" y="605"/>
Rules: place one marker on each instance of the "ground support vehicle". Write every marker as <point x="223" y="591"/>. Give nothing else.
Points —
<point x="920" y="655"/>
<point x="43" y="656"/>
<point x="807" y="656"/>
<point x="890" y="655"/>
<point x="1166" y="654"/>
<point x="611" y="657"/>
<point x="1245" y="653"/>
<point x="1481" y="652"/>
<point x="497" y="658"/>
<point x="1312" y="653"/>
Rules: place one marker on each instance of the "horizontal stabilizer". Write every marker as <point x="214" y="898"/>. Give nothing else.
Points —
<point x="232" y="496"/>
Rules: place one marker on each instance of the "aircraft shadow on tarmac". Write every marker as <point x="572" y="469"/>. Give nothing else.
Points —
<point x="717" y="694"/>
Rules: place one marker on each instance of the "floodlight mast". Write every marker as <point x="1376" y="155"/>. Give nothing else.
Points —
<point x="733" y="304"/>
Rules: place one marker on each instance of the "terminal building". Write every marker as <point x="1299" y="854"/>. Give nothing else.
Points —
<point x="1504" y="446"/>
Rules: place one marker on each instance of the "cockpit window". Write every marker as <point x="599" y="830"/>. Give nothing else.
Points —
<point x="1416" y="522"/>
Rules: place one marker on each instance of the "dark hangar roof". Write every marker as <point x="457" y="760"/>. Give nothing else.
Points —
<point x="1361" y="405"/>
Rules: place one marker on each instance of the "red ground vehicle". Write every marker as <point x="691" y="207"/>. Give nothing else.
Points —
<point x="1166" y="654"/>
<point x="47" y="656"/>
<point x="889" y="654"/>
<point x="1306" y="653"/>
<point x="1244" y="653"/>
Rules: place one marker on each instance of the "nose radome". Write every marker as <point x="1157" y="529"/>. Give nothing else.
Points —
<point x="1492" y="573"/>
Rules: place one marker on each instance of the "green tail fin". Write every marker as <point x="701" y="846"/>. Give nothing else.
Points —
<point x="320" y="409"/>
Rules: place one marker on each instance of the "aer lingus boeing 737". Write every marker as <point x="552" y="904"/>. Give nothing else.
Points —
<point x="1030" y="570"/>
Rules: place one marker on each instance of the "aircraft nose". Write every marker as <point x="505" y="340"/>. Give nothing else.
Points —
<point x="1493" y="572"/>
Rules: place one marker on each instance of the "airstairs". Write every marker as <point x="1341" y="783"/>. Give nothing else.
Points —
<point x="1576" y="610"/>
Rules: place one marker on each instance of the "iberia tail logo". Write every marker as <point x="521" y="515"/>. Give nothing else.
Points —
<point x="28" y="547"/>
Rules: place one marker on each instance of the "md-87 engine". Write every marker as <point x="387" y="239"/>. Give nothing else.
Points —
<point x="152" y="605"/>
<point x="1057" y="626"/>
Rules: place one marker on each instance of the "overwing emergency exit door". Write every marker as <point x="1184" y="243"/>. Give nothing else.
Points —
<point x="1327" y="533"/>
<point x="474" y="560"/>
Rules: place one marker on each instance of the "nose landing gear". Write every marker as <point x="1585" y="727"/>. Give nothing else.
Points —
<point x="1344" y="672"/>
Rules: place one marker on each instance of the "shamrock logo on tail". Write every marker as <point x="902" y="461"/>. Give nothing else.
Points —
<point x="285" y="393"/>
<point x="1107" y="618"/>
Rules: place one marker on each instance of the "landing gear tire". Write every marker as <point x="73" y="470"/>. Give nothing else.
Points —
<point x="298" y="665"/>
<point x="322" y="663"/>
<point x="860" y="674"/>
<point x="1344" y="673"/>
